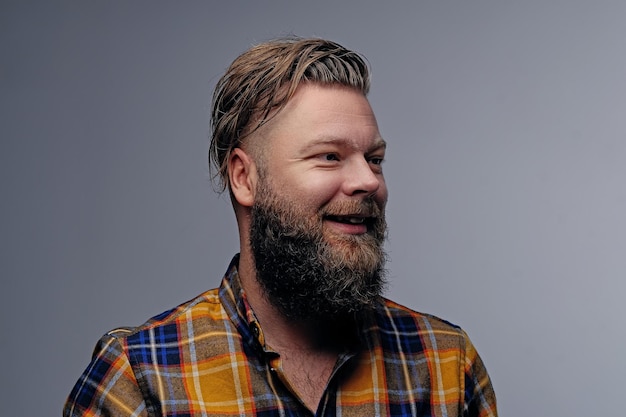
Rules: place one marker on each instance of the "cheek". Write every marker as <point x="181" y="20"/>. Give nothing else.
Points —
<point x="318" y="189"/>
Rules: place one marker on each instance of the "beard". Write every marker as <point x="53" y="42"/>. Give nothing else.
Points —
<point x="310" y="273"/>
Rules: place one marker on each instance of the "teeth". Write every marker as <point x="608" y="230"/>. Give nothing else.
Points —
<point x="355" y="220"/>
<point x="349" y="219"/>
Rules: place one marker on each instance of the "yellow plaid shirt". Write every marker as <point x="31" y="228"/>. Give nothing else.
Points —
<point x="206" y="357"/>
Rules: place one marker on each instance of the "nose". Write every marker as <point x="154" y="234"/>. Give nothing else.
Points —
<point x="361" y="178"/>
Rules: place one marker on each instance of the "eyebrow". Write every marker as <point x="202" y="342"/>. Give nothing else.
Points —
<point x="332" y="140"/>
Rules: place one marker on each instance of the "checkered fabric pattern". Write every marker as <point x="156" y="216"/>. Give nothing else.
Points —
<point x="207" y="358"/>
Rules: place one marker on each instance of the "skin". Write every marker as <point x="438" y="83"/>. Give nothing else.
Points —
<point x="323" y="149"/>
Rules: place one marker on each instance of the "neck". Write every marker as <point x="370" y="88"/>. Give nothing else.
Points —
<point x="324" y="336"/>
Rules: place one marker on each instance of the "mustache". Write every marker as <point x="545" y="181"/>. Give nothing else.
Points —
<point x="365" y="208"/>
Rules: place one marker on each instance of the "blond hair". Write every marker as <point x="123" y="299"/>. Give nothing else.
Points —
<point x="263" y="79"/>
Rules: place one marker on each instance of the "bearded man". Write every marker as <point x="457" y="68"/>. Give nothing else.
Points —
<point x="299" y="325"/>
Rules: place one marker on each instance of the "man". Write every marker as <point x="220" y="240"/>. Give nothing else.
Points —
<point x="298" y="326"/>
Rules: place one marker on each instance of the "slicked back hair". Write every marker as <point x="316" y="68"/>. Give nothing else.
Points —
<point x="261" y="81"/>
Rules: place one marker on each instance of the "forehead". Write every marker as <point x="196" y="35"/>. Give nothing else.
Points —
<point x="325" y="114"/>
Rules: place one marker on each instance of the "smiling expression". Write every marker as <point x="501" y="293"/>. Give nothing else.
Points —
<point x="317" y="222"/>
<point x="325" y="154"/>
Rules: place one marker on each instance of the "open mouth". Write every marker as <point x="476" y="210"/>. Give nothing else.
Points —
<point x="350" y="219"/>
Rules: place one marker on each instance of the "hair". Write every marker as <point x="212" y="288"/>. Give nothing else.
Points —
<point x="260" y="82"/>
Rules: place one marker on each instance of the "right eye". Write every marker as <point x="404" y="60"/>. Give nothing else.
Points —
<point x="331" y="157"/>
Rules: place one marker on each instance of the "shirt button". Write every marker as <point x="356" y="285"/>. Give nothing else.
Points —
<point x="255" y="329"/>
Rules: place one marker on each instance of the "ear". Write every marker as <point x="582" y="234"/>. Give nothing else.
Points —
<point x="243" y="177"/>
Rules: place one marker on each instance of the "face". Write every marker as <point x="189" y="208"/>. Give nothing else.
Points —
<point x="324" y="149"/>
<point x="318" y="217"/>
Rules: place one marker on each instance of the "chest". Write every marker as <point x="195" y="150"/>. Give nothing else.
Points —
<point x="368" y="384"/>
<point x="306" y="375"/>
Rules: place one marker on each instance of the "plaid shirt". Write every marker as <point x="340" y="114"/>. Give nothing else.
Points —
<point x="207" y="358"/>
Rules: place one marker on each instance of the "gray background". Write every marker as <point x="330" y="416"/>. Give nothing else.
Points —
<point x="507" y="130"/>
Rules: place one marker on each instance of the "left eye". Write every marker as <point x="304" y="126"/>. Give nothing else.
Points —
<point x="376" y="161"/>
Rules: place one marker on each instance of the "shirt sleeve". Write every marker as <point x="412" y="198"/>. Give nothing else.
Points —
<point x="480" y="398"/>
<point x="108" y="386"/>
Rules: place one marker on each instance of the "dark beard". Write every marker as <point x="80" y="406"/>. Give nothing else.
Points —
<point x="310" y="277"/>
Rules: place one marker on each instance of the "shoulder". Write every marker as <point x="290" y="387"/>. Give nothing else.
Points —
<point x="421" y="330"/>
<point x="420" y="339"/>
<point x="198" y="328"/>
<point x="391" y="311"/>
<point x="203" y="311"/>
<point x="129" y="362"/>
